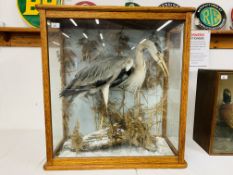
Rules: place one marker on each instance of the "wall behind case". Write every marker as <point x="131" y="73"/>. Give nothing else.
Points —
<point x="21" y="102"/>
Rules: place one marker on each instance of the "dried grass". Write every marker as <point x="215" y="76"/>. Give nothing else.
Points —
<point x="116" y="135"/>
<point x="129" y="129"/>
<point x="66" y="116"/>
<point x="104" y="115"/>
<point x="68" y="59"/>
<point x="91" y="49"/>
<point x="76" y="139"/>
<point x="122" y="44"/>
<point x="138" y="133"/>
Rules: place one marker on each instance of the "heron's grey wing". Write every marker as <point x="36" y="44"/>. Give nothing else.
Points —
<point x="95" y="75"/>
<point x="122" y="77"/>
<point x="80" y="89"/>
<point x="99" y="70"/>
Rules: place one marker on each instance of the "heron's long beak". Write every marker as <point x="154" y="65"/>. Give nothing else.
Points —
<point x="159" y="59"/>
<point x="155" y="54"/>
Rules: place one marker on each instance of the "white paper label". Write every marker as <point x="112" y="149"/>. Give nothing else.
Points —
<point x="55" y="25"/>
<point x="224" y="77"/>
<point x="199" y="53"/>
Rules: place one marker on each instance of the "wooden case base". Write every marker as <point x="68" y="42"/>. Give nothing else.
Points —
<point x="55" y="166"/>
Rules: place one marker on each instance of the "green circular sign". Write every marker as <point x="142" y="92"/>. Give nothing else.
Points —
<point x="210" y="20"/>
<point x="210" y="16"/>
<point x="29" y="12"/>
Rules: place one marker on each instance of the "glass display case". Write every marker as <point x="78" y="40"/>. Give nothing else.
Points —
<point x="115" y="86"/>
<point x="213" y="125"/>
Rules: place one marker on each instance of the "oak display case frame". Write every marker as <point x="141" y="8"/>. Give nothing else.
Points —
<point x="105" y="12"/>
<point x="207" y="109"/>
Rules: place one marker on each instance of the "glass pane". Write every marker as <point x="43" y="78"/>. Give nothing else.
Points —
<point x="174" y="83"/>
<point x="223" y="136"/>
<point x="115" y="86"/>
<point x="55" y="69"/>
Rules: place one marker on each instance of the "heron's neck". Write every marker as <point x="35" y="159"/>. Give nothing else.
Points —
<point x="139" y="60"/>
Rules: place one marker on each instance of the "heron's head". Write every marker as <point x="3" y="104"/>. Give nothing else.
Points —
<point x="156" y="55"/>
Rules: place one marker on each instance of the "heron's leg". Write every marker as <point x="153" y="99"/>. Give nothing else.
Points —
<point x="137" y="103"/>
<point x="110" y="118"/>
<point x="123" y="102"/>
<point x="101" y="122"/>
<point x="105" y="91"/>
<point x="123" y="107"/>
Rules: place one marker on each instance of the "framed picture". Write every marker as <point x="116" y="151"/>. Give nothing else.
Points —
<point x="115" y="86"/>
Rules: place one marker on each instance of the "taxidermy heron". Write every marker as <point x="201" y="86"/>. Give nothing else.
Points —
<point x="97" y="76"/>
<point x="126" y="72"/>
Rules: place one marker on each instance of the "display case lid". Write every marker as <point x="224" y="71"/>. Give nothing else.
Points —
<point x="118" y="8"/>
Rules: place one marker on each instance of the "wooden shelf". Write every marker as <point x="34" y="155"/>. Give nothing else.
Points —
<point x="221" y="39"/>
<point x="19" y="37"/>
<point x="30" y="37"/>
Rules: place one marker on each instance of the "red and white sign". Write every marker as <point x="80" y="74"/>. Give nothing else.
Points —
<point x="199" y="53"/>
